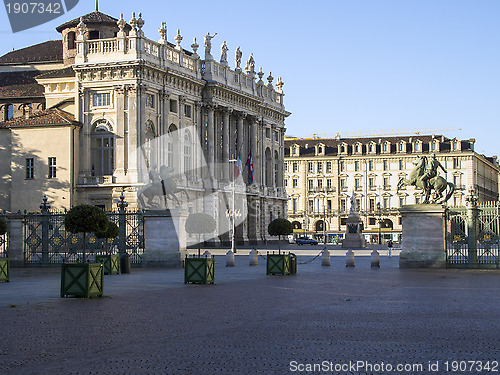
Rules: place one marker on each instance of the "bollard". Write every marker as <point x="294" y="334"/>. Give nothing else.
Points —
<point x="349" y="259"/>
<point x="375" y="257"/>
<point x="325" y="260"/>
<point x="230" y="259"/>
<point x="207" y="254"/>
<point x="253" y="257"/>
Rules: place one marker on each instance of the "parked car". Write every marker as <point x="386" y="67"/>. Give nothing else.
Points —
<point x="306" y="241"/>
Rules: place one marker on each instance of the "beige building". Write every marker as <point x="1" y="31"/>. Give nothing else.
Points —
<point x="321" y="175"/>
<point x="101" y="111"/>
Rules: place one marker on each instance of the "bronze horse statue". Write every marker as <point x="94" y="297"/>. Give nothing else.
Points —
<point x="437" y="183"/>
<point x="161" y="185"/>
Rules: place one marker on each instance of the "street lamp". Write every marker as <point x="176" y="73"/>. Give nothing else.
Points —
<point x="379" y="211"/>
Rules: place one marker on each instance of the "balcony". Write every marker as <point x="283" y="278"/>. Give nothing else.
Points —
<point x="96" y="180"/>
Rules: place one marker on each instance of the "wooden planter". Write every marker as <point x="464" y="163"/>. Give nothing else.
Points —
<point x="278" y="264"/>
<point x="199" y="270"/>
<point x="111" y="263"/>
<point x="4" y="269"/>
<point x="82" y="279"/>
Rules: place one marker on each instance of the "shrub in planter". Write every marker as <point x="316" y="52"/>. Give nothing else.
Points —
<point x="200" y="223"/>
<point x="280" y="227"/>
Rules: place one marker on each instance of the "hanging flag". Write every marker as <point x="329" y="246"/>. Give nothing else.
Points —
<point x="249" y="164"/>
<point x="238" y="166"/>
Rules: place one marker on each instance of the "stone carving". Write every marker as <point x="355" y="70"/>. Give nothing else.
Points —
<point x="425" y="176"/>
<point x="208" y="43"/>
<point x="223" y="53"/>
<point x="250" y="67"/>
<point x="237" y="58"/>
<point x="161" y="184"/>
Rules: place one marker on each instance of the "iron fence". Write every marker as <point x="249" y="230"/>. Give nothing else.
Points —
<point x="47" y="242"/>
<point x="472" y="235"/>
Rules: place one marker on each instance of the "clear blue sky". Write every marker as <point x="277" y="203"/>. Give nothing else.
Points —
<point x="350" y="66"/>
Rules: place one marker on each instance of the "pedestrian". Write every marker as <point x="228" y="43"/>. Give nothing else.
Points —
<point x="389" y="248"/>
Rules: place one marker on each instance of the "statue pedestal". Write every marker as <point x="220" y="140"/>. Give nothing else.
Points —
<point x="423" y="243"/>
<point x="164" y="238"/>
<point x="354" y="238"/>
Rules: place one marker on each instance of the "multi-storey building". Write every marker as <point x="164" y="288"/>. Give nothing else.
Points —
<point x="321" y="175"/>
<point x="91" y="116"/>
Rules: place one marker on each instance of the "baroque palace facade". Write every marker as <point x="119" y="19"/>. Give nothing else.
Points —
<point x="89" y="117"/>
<point x="321" y="176"/>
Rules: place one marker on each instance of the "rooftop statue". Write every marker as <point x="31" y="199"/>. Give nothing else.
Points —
<point x="223" y="53"/>
<point x="425" y="176"/>
<point x="237" y="58"/>
<point x="208" y="43"/>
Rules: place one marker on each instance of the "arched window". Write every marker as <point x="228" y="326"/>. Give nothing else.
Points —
<point x="149" y="145"/>
<point x="103" y="146"/>
<point x="269" y="168"/>
<point x="71" y="40"/>
<point x="187" y="153"/>
<point x="9" y="113"/>
<point x="172" y="141"/>
<point x="276" y="168"/>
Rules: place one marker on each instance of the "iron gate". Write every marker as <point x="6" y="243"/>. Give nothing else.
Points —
<point x="472" y="235"/>
<point x="46" y="240"/>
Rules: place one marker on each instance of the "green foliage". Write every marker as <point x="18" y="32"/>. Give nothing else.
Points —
<point x="111" y="231"/>
<point x="3" y="227"/>
<point x="280" y="227"/>
<point x="200" y="223"/>
<point x="85" y="218"/>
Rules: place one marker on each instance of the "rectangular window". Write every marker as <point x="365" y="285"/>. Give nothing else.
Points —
<point x="328" y="167"/>
<point x="371" y="183"/>
<point x="456" y="163"/>
<point x="294" y="205"/>
<point x="387" y="185"/>
<point x="286" y="182"/>
<point x="310" y="167"/>
<point x="52" y="168"/>
<point x="341" y="166"/>
<point x="295" y="183"/>
<point x="30" y="168"/>
<point x="320" y="167"/>
<point x="320" y="184"/>
<point x="386" y="165"/>
<point x="268" y="133"/>
<point x="372" y="221"/>
<point x="356" y="165"/>
<point x="372" y="204"/>
<point x="386" y="202"/>
<point x="401" y="165"/>
<point x="173" y="105"/>
<point x="401" y="201"/>
<point x="370" y="165"/>
<point x="417" y="200"/>
<point x="187" y="111"/>
<point x="343" y="205"/>
<point x="417" y="146"/>
<point x="343" y="184"/>
<point x="295" y="167"/>
<point x="311" y="206"/>
<point x="310" y="184"/>
<point x="357" y="183"/>
<point x="329" y="183"/>
<point x="150" y="100"/>
<point x="102" y="99"/>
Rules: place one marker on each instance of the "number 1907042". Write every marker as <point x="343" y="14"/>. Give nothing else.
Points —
<point x="33" y="8"/>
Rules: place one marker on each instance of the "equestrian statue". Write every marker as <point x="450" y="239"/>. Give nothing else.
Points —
<point x="161" y="184"/>
<point x="425" y="176"/>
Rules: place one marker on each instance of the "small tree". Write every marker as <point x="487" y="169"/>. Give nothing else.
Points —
<point x="280" y="227"/>
<point x="200" y="223"/>
<point x="111" y="231"/>
<point x="84" y="219"/>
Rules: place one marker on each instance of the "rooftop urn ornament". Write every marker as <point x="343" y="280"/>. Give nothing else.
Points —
<point x="195" y="47"/>
<point x="133" y="22"/>
<point x="260" y="74"/>
<point x="140" y="24"/>
<point x="178" y="39"/>
<point x="44" y="205"/>
<point x="237" y="58"/>
<point x="223" y="53"/>
<point x="208" y="43"/>
<point x="163" y="32"/>
<point x="121" y="23"/>
<point x="270" y="80"/>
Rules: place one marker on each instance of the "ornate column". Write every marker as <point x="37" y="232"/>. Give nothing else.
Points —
<point x="262" y="152"/>
<point x="133" y="136"/>
<point x="163" y="124"/>
<point x="273" y="159"/>
<point x="182" y="172"/>
<point x="253" y="146"/>
<point x="120" y="132"/>
<point x="226" y="134"/>
<point x="199" y="139"/>
<point x="210" y="108"/>
<point x="239" y="144"/>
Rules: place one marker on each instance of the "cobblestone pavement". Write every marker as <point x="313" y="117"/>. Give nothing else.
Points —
<point x="149" y="322"/>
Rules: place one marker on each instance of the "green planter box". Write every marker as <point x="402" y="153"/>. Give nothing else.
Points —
<point x="199" y="270"/>
<point x="111" y="263"/>
<point x="4" y="269"/>
<point x="278" y="264"/>
<point x="82" y="279"/>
